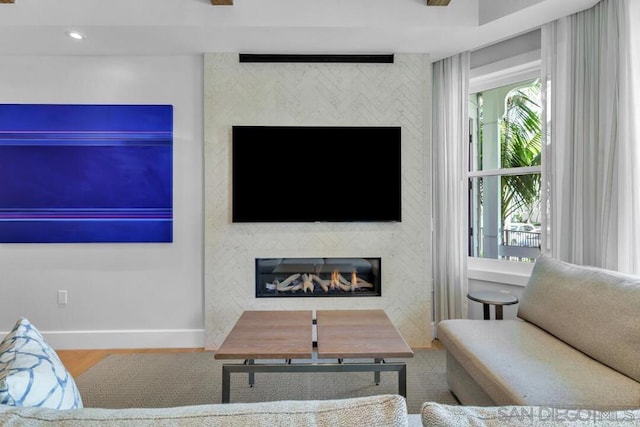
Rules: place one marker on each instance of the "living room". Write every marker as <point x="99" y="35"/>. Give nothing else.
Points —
<point x="188" y="294"/>
<point x="108" y="286"/>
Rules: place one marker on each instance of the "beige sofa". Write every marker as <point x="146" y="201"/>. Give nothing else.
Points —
<point x="438" y="415"/>
<point x="374" y="411"/>
<point x="576" y="343"/>
<point x="382" y="410"/>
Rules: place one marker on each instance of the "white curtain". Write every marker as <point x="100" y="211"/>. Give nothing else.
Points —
<point x="629" y="224"/>
<point x="450" y="135"/>
<point x="591" y="162"/>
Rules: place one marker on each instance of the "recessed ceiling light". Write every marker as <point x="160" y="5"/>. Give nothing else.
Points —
<point x="75" y="35"/>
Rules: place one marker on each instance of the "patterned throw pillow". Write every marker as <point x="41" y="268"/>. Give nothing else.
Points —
<point x="32" y="374"/>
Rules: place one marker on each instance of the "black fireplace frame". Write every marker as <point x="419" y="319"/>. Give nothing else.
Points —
<point x="270" y="270"/>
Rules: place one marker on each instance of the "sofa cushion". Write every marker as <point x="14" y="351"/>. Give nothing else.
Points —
<point x="517" y="363"/>
<point x="594" y="310"/>
<point x="32" y="374"/>
<point x="382" y="410"/>
<point x="438" y="415"/>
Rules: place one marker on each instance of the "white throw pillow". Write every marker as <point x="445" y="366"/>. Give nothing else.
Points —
<point x="32" y="374"/>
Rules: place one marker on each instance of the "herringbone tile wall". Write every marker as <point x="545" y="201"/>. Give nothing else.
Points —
<point x="318" y="94"/>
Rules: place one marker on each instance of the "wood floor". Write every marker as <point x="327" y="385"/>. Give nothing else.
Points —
<point x="79" y="361"/>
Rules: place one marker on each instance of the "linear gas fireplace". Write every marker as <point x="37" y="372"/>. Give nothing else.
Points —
<point x="318" y="277"/>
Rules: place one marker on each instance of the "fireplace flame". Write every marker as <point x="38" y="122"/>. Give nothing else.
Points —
<point x="354" y="280"/>
<point x="334" y="279"/>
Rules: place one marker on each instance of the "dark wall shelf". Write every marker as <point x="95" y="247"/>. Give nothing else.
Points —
<point x="338" y="58"/>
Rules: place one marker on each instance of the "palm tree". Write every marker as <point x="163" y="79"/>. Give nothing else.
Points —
<point x="521" y="143"/>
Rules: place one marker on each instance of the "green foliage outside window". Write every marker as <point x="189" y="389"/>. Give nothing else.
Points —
<point x="521" y="144"/>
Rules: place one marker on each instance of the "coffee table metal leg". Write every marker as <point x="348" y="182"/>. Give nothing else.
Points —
<point x="402" y="381"/>
<point x="376" y="374"/>
<point x="227" y="369"/>
<point x="252" y="375"/>
<point x="226" y="384"/>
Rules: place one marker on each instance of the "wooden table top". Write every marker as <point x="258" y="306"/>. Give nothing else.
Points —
<point x="269" y="335"/>
<point x="358" y="333"/>
<point x="341" y="334"/>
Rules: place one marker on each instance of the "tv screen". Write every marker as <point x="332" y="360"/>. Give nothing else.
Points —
<point x="316" y="174"/>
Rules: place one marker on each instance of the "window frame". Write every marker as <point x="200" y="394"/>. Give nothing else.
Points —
<point x="513" y="70"/>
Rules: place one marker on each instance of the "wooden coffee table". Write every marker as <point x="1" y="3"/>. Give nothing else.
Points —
<point x="341" y="334"/>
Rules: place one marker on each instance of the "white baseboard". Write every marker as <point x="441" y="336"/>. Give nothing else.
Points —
<point x="116" y="339"/>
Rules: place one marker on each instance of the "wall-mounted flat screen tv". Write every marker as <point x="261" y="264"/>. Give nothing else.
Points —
<point x="316" y="174"/>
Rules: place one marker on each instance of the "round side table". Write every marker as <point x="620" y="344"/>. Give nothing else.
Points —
<point x="497" y="299"/>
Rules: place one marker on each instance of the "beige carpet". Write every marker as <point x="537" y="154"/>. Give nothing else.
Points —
<point x="174" y="379"/>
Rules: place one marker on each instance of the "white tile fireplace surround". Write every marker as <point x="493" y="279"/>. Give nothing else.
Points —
<point x="318" y="94"/>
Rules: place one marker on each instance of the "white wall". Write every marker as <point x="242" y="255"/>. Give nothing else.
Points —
<point x="119" y="295"/>
<point x="490" y="10"/>
<point x="397" y="94"/>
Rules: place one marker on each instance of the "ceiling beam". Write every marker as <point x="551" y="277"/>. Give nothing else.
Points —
<point x="438" y="2"/>
<point x="220" y="2"/>
<point x="7" y="1"/>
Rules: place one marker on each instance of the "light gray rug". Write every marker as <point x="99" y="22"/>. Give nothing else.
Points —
<point x="175" y="379"/>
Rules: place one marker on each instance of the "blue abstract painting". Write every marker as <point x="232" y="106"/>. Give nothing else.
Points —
<point x="86" y="173"/>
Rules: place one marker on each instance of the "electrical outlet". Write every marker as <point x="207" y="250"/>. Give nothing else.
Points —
<point x="62" y="297"/>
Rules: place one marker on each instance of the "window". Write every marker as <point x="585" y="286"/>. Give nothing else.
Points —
<point x="505" y="172"/>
